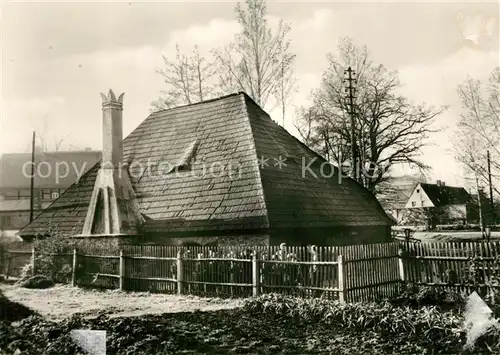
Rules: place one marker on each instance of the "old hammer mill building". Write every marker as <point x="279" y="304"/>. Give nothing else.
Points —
<point x="218" y="172"/>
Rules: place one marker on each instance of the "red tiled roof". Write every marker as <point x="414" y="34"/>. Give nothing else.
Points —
<point x="231" y="131"/>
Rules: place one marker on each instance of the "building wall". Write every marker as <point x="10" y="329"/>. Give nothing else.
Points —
<point x="332" y="236"/>
<point x="221" y="240"/>
<point x="13" y="220"/>
<point x="292" y="237"/>
<point x="419" y="199"/>
<point x="17" y="219"/>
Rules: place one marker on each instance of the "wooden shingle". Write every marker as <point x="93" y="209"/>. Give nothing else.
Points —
<point x="225" y="187"/>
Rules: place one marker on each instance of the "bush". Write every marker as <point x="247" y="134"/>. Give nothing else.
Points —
<point x="37" y="281"/>
<point x="419" y="296"/>
<point x="54" y="257"/>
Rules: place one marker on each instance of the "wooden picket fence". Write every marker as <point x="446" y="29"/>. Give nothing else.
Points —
<point x="348" y="273"/>
<point x="455" y="266"/>
<point x="14" y="258"/>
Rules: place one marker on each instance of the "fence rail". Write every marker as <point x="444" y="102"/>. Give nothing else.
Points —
<point x="347" y="273"/>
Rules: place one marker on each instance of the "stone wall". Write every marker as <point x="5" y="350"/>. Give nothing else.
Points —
<point x="238" y="240"/>
<point x="297" y="237"/>
<point x="104" y="243"/>
<point x="331" y="236"/>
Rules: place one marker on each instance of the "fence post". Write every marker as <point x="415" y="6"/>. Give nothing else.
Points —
<point x="33" y="264"/>
<point x="122" y="270"/>
<point x="255" y="275"/>
<point x="180" y="274"/>
<point x="401" y="265"/>
<point x="341" y="279"/>
<point x="9" y="257"/>
<point x="73" y="271"/>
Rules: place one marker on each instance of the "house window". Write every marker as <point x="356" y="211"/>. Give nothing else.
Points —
<point x="55" y="195"/>
<point x="413" y="204"/>
<point x="418" y="191"/>
<point x="185" y="161"/>
<point x="46" y="194"/>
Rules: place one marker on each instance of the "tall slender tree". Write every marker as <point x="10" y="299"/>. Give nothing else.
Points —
<point x="479" y="131"/>
<point x="259" y="60"/>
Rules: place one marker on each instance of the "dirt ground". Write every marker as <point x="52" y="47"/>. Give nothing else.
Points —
<point x="62" y="301"/>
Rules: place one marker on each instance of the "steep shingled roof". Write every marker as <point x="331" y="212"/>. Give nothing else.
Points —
<point x="225" y="187"/>
<point x="446" y="195"/>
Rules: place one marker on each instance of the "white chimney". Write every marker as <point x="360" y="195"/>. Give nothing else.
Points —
<point x="112" y="132"/>
<point x="113" y="209"/>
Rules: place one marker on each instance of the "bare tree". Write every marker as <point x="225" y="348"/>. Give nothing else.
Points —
<point x="478" y="131"/>
<point x="479" y="127"/>
<point x="287" y="82"/>
<point x="389" y="130"/>
<point x="44" y="147"/>
<point x="188" y="80"/>
<point x="258" y="61"/>
<point x="467" y="150"/>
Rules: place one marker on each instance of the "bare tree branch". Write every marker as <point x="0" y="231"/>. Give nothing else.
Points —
<point x="479" y="129"/>
<point x="258" y="61"/>
<point x="389" y="129"/>
<point x="188" y="79"/>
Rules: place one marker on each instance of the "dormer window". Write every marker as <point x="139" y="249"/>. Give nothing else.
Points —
<point x="185" y="161"/>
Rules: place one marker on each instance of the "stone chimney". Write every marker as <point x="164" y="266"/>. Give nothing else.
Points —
<point x="113" y="209"/>
<point x="440" y="183"/>
<point x="112" y="131"/>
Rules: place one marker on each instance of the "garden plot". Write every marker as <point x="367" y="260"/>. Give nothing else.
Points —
<point x="60" y="302"/>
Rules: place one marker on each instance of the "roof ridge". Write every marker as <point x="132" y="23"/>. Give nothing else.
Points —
<point x="445" y="186"/>
<point x="200" y="102"/>
<point x="254" y="148"/>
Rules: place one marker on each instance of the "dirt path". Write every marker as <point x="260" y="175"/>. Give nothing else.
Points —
<point x="63" y="301"/>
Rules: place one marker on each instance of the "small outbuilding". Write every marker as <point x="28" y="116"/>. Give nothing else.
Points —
<point x="215" y="172"/>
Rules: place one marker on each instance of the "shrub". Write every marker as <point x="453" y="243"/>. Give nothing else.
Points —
<point x="54" y="257"/>
<point x="418" y="296"/>
<point x="37" y="281"/>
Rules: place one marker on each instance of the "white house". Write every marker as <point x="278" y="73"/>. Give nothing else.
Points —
<point x="452" y="201"/>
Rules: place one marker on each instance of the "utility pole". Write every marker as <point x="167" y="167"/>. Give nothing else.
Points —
<point x="350" y="97"/>
<point x="32" y="185"/>
<point x="492" y="205"/>
<point x="480" y="205"/>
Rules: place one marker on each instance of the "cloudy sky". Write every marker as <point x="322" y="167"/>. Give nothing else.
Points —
<point x="57" y="57"/>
